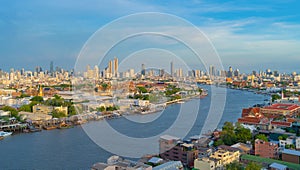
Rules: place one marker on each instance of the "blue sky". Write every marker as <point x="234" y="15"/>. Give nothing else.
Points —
<point x="247" y="34"/>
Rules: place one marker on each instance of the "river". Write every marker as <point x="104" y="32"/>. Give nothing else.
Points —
<point x="73" y="149"/>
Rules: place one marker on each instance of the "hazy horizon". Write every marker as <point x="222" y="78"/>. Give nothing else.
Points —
<point x="249" y="36"/>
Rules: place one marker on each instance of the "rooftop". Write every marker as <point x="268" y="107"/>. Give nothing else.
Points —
<point x="269" y="161"/>
<point x="168" y="137"/>
<point x="291" y="152"/>
<point x="169" y="165"/>
<point x="155" y="160"/>
<point x="281" y="106"/>
<point x="278" y="166"/>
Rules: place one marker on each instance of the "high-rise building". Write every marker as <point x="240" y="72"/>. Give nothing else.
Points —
<point x="116" y="67"/>
<point x="179" y="73"/>
<point x="143" y="72"/>
<point x="22" y="71"/>
<point x="51" y="67"/>
<point x="96" y="71"/>
<point x="212" y="71"/>
<point x="110" y="68"/>
<point x="161" y="72"/>
<point x="88" y="67"/>
<point x="237" y="73"/>
<point x="230" y="72"/>
<point x="38" y="69"/>
<point x="172" y="69"/>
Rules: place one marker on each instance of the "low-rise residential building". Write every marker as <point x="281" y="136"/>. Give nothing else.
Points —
<point x="243" y="148"/>
<point x="291" y="156"/>
<point x="289" y="141"/>
<point x="226" y="157"/>
<point x="34" y="116"/>
<point x="277" y="166"/>
<point x="116" y="162"/>
<point x="4" y="113"/>
<point x="44" y="109"/>
<point x="298" y="143"/>
<point x="172" y="148"/>
<point x="266" y="149"/>
<point x="172" y="165"/>
<point x="207" y="164"/>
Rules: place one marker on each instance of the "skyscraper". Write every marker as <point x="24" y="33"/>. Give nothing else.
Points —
<point x="110" y="68"/>
<point x="116" y="67"/>
<point x="212" y="71"/>
<point x="51" y="67"/>
<point x="172" y="69"/>
<point x="230" y="72"/>
<point x="143" y="72"/>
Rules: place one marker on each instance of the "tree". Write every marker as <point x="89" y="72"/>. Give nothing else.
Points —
<point x="101" y="109"/>
<point x="262" y="137"/>
<point x="104" y="86"/>
<point x="13" y="111"/>
<point x="229" y="138"/>
<point x="283" y="137"/>
<point x="71" y="110"/>
<point x="275" y="97"/>
<point x="218" y="143"/>
<point x="37" y="99"/>
<point x="234" y="166"/>
<point x="228" y="127"/>
<point x="253" y="166"/>
<point x="25" y="108"/>
<point x="142" y="89"/>
<point x="242" y="134"/>
<point x="58" y="114"/>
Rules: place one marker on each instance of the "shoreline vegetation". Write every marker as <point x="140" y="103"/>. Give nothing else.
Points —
<point x="60" y="121"/>
<point x="18" y="123"/>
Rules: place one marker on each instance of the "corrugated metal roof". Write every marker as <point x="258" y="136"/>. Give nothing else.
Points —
<point x="291" y="152"/>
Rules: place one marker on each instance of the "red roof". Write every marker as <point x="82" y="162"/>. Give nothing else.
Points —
<point x="281" y="106"/>
<point x="282" y="124"/>
<point x="246" y="112"/>
<point x="249" y="120"/>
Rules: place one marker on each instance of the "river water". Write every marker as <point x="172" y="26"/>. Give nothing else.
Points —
<point x="73" y="149"/>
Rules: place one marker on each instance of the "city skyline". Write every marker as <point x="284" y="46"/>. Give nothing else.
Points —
<point x="250" y="36"/>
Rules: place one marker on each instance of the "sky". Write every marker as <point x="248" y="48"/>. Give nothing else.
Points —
<point x="248" y="35"/>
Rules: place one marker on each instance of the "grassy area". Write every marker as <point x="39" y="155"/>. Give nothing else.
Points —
<point x="269" y="161"/>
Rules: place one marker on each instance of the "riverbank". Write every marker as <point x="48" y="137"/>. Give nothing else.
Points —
<point x="73" y="149"/>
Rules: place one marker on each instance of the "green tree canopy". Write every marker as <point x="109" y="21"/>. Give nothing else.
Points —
<point x="142" y="89"/>
<point x="234" y="166"/>
<point x="37" y="99"/>
<point x="262" y="137"/>
<point x="58" y="114"/>
<point x="253" y="166"/>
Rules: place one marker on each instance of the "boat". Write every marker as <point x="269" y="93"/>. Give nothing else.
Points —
<point x="5" y="134"/>
<point x="65" y="126"/>
<point x="49" y="127"/>
<point x="203" y="95"/>
<point x="33" y="129"/>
